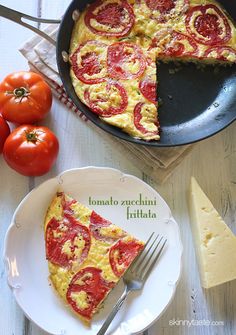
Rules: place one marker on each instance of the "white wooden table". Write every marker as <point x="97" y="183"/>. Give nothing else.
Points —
<point x="212" y="162"/>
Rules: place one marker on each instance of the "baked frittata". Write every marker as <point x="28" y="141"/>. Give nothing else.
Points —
<point x="115" y="45"/>
<point x="87" y="255"/>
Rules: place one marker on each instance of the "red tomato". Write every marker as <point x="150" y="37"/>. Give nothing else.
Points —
<point x="4" y="132"/>
<point x="177" y="46"/>
<point x="90" y="281"/>
<point x="112" y="109"/>
<point x="90" y="67"/>
<point x="97" y="220"/>
<point x="31" y="150"/>
<point x="138" y="118"/>
<point x="122" y="255"/>
<point x="63" y="232"/>
<point x="110" y="18"/>
<point x="162" y="10"/>
<point x="148" y="87"/>
<point x="221" y="53"/>
<point x="208" y="25"/>
<point x="163" y="6"/>
<point x="97" y="223"/>
<point x="66" y="206"/>
<point x="121" y="56"/>
<point x="25" y="98"/>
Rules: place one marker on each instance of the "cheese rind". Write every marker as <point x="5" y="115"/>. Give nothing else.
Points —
<point x="215" y="243"/>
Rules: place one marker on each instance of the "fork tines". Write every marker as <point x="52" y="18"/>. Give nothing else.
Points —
<point x="148" y="257"/>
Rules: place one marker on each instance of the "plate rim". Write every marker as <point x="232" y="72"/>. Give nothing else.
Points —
<point x="13" y="224"/>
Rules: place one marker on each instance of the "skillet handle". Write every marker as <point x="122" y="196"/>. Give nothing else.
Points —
<point x="17" y="17"/>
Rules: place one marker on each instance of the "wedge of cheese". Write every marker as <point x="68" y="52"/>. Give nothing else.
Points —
<point x="214" y="241"/>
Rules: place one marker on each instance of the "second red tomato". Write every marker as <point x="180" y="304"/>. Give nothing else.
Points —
<point x="4" y="132"/>
<point x="31" y="150"/>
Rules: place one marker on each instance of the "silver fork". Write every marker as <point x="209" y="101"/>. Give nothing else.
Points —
<point x="137" y="274"/>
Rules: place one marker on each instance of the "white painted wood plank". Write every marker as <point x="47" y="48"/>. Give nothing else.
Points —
<point x="53" y="10"/>
<point x="13" y="186"/>
<point x="13" y="35"/>
<point x="212" y="162"/>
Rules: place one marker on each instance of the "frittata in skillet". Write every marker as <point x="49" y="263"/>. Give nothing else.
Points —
<point x="87" y="255"/>
<point x="115" y="45"/>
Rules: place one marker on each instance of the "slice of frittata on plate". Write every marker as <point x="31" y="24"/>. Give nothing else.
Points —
<point x="87" y="254"/>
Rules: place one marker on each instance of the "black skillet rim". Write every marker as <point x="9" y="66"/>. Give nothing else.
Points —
<point x="86" y="111"/>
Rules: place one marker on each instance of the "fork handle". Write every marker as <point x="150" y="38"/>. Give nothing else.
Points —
<point x="114" y="311"/>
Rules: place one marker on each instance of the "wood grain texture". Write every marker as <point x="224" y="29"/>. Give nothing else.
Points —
<point x="13" y="187"/>
<point x="212" y="162"/>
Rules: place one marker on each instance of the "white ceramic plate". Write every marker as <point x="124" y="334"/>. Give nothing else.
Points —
<point x="27" y="267"/>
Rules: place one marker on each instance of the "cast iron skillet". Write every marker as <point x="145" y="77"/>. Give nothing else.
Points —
<point x="195" y="103"/>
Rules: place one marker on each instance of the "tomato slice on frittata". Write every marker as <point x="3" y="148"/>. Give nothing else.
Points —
<point x="110" y="18"/>
<point x="86" y="291"/>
